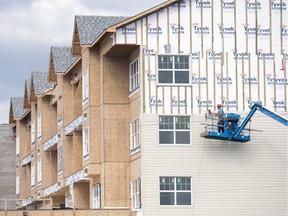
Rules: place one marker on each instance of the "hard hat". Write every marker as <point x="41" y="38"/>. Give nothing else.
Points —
<point x="219" y="105"/>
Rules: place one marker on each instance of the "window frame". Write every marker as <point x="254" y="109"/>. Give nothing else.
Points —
<point x="136" y="194"/>
<point x="85" y="143"/>
<point x="39" y="127"/>
<point x="173" y="70"/>
<point x="17" y="183"/>
<point x="174" y="191"/>
<point x="60" y="159"/>
<point x="85" y="86"/>
<point x="96" y="196"/>
<point x="33" y="177"/>
<point x="33" y="133"/>
<point x="17" y="145"/>
<point x="39" y="167"/>
<point x="135" y="144"/>
<point x="175" y="130"/>
<point x="134" y="78"/>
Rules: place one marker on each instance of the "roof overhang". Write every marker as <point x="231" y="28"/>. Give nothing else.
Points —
<point x="52" y="76"/>
<point x="76" y="46"/>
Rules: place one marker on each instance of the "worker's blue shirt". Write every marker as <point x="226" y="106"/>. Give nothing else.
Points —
<point x="220" y="113"/>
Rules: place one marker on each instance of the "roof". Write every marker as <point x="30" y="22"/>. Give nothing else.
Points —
<point x="39" y="83"/>
<point x="62" y="58"/>
<point x="90" y="27"/>
<point x="17" y="104"/>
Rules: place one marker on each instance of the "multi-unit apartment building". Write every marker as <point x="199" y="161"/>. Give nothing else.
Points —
<point x="115" y="123"/>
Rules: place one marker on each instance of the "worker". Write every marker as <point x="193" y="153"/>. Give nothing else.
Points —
<point x="220" y="114"/>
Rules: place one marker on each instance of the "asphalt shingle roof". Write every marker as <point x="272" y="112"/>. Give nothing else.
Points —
<point x="18" y="107"/>
<point x="90" y="27"/>
<point x="62" y="58"/>
<point x="40" y="81"/>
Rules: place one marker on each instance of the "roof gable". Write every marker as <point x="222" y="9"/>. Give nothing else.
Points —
<point x="88" y="28"/>
<point x="61" y="60"/>
<point x="16" y="109"/>
<point x="39" y="84"/>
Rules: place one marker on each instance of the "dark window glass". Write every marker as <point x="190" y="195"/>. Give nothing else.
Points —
<point x="181" y="76"/>
<point x="167" y="198"/>
<point x="183" y="198"/>
<point x="165" y="76"/>
<point x="166" y="137"/>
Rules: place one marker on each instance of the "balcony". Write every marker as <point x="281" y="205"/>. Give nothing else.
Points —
<point x="51" y="143"/>
<point x="75" y="125"/>
<point x="50" y="190"/>
<point x="26" y="160"/>
<point x="76" y="177"/>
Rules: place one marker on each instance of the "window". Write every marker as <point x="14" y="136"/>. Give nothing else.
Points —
<point x="68" y="202"/>
<point x="33" y="131"/>
<point x="39" y="127"/>
<point x="175" y="191"/>
<point x="173" y="69"/>
<point x="96" y="196"/>
<point x="60" y="159"/>
<point x="85" y="143"/>
<point x="17" y="145"/>
<point x="134" y="75"/>
<point x="136" y="193"/>
<point x="32" y="175"/>
<point x="39" y="167"/>
<point x="85" y="84"/>
<point x="17" y="184"/>
<point x="134" y="135"/>
<point x="174" y="130"/>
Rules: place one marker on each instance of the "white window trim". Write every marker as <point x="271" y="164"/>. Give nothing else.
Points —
<point x="174" y="144"/>
<point x="60" y="160"/>
<point x="85" y="86"/>
<point x="33" y="133"/>
<point x="39" y="168"/>
<point x="17" y="145"/>
<point x="135" y="195"/>
<point x="96" y="199"/>
<point x="69" y="201"/>
<point x="136" y="88"/>
<point x="174" y="84"/>
<point x="33" y="176"/>
<point x="135" y="137"/>
<point x="17" y="183"/>
<point x="86" y="143"/>
<point x="178" y="206"/>
<point x="39" y="126"/>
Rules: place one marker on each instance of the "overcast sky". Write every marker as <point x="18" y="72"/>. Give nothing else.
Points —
<point x="30" y="27"/>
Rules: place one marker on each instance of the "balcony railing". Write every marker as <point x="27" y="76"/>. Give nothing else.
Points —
<point x="26" y="201"/>
<point x="51" y="143"/>
<point x="50" y="190"/>
<point x="74" y="125"/>
<point x="26" y="160"/>
<point x="76" y="177"/>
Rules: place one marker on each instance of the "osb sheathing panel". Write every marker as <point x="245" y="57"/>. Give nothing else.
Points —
<point x="46" y="119"/>
<point x="95" y="133"/>
<point x="115" y="184"/>
<point x="135" y="166"/>
<point x="67" y="101"/>
<point x="77" y="160"/>
<point x="77" y="99"/>
<point x="24" y="139"/>
<point x="115" y="79"/>
<point x="106" y="45"/>
<point x="67" y="155"/>
<point x="81" y="195"/>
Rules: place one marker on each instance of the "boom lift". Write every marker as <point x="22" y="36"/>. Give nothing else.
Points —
<point x="234" y="129"/>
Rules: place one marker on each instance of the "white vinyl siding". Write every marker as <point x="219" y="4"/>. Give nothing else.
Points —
<point x="134" y="75"/>
<point x="85" y="143"/>
<point x="96" y="196"/>
<point x="85" y="83"/>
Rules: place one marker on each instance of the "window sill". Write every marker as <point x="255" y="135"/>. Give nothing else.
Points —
<point x="85" y="157"/>
<point x="134" y="91"/>
<point x="85" y="101"/>
<point x="135" y="150"/>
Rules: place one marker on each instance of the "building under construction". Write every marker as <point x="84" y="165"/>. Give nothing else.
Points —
<point x="113" y="127"/>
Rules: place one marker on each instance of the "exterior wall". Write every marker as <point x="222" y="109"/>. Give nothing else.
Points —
<point x="217" y="72"/>
<point x="7" y="171"/>
<point x="228" y="178"/>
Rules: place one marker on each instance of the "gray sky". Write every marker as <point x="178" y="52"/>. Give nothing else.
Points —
<point x="30" y="27"/>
